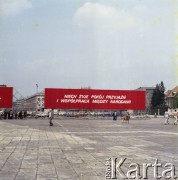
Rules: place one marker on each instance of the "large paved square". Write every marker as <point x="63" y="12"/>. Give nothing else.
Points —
<point x="78" y="149"/>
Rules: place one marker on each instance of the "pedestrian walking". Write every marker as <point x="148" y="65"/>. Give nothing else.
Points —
<point x="166" y="115"/>
<point x="50" y="115"/>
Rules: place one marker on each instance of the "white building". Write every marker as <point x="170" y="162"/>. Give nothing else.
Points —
<point x="33" y="103"/>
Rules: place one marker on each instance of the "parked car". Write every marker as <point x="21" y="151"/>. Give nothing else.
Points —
<point x="61" y="113"/>
<point x="41" y="114"/>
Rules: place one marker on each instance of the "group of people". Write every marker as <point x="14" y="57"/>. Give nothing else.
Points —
<point x="13" y="114"/>
<point x="125" y="117"/>
<point x="167" y="116"/>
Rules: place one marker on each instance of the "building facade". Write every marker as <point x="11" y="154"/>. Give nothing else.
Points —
<point x="149" y="93"/>
<point x="33" y="103"/>
<point x="172" y="98"/>
<point x="18" y="105"/>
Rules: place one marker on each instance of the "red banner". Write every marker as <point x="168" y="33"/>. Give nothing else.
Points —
<point x="94" y="99"/>
<point x="6" y="97"/>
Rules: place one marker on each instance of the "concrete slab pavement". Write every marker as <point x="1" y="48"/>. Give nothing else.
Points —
<point x="78" y="149"/>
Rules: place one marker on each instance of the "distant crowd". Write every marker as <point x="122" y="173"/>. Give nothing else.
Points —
<point x="13" y="115"/>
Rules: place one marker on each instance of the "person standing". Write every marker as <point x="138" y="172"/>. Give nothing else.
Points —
<point x="51" y="117"/>
<point x="5" y="114"/>
<point x="175" y="115"/>
<point x="20" y="115"/>
<point x="128" y="117"/>
<point x="166" y="115"/>
<point x="16" y="115"/>
<point x="114" y="115"/>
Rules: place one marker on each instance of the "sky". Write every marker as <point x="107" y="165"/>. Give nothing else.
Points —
<point x="104" y="44"/>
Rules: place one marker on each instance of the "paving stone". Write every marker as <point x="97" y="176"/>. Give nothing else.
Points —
<point x="25" y="173"/>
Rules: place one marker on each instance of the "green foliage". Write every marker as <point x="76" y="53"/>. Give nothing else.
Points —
<point x="158" y="98"/>
<point x="175" y="105"/>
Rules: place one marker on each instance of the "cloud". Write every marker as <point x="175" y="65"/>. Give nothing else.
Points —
<point x="100" y="15"/>
<point x="14" y="7"/>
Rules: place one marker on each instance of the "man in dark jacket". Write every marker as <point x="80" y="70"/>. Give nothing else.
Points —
<point x="114" y="115"/>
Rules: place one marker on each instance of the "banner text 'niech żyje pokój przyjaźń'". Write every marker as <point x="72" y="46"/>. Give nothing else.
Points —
<point x="94" y="99"/>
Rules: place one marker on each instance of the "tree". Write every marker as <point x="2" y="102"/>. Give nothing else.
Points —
<point x="161" y="87"/>
<point x="158" y="98"/>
